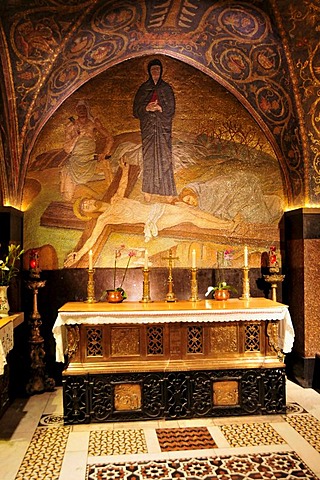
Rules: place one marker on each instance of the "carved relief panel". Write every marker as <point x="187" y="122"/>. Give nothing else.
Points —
<point x="225" y="393"/>
<point x="224" y="339"/>
<point x="125" y="341"/>
<point x="127" y="396"/>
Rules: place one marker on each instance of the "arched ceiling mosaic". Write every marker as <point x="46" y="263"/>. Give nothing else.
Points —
<point x="299" y="22"/>
<point x="50" y="48"/>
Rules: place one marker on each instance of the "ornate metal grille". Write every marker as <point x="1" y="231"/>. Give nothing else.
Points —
<point x="153" y="397"/>
<point x="94" y="342"/>
<point x="155" y="340"/>
<point x="274" y="391"/>
<point x="173" y="395"/>
<point x="195" y="339"/>
<point x="177" y="395"/>
<point x="252" y="337"/>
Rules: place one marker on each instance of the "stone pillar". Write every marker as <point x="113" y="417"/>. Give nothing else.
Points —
<point x="302" y="291"/>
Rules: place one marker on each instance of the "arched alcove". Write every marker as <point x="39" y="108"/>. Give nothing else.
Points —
<point x="218" y="149"/>
<point x="236" y="44"/>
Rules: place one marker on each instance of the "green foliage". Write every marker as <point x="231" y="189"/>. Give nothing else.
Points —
<point x="224" y="286"/>
<point x="220" y="286"/>
<point x="8" y="268"/>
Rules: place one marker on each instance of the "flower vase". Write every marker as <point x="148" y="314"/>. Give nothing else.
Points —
<point x="4" y="304"/>
<point x="221" y="294"/>
<point x="114" y="296"/>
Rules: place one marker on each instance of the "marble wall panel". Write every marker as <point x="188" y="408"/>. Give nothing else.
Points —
<point x="302" y="232"/>
<point x="311" y="295"/>
<point x="293" y="294"/>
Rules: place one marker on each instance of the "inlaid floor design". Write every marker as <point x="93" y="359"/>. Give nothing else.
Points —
<point x="172" y="439"/>
<point x="248" y="434"/>
<point x="52" y="420"/>
<point x="284" y="465"/>
<point x="308" y="427"/>
<point x="116" y="442"/>
<point x="36" y="445"/>
<point x="45" y="454"/>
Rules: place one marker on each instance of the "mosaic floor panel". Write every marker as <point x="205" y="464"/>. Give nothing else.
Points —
<point x="308" y="427"/>
<point x="44" y="457"/>
<point x="250" y="434"/>
<point x="116" y="442"/>
<point x="45" y="453"/>
<point x="172" y="439"/>
<point x="284" y="466"/>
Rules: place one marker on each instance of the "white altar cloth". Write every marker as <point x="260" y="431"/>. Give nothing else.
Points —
<point x="254" y="309"/>
<point x="7" y="325"/>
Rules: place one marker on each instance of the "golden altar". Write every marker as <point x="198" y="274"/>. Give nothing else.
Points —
<point x="133" y="360"/>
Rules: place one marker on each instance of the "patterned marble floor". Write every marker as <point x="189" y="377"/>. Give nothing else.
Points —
<point x="34" y="444"/>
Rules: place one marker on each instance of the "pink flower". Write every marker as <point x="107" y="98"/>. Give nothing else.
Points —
<point x="117" y="255"/>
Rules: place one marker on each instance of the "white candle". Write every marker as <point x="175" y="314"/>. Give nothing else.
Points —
<point x="90" y="260"/>
<point x="245" y="256"/>
<point x="146" y="260"/>
<point x="193" y="259"/>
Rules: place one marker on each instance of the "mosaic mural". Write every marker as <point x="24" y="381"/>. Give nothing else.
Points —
<point x="299" y="24"/>
<point x="89" y="185"/>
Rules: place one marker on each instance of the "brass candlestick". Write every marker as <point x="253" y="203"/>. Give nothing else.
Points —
<point x="146" y="286"/>
<point x="245" y="284"/>
<point x="90" y="287"/>
<point x="194" y="285"/>
<point x="170" y="297"/>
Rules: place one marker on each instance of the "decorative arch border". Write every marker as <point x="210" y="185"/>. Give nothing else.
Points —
<point x="235" y="44"/>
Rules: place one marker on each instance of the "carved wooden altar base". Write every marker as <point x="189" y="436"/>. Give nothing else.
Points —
<point x="172" y="395"/>
<point x="174" y="363"/>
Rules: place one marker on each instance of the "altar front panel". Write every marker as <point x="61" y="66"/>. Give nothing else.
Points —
<point x="176" y="346"/>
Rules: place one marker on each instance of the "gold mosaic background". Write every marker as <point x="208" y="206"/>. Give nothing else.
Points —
<point x="213" y="135"/>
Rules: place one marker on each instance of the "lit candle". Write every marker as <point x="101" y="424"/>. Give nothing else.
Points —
<point x="90" y="260"/>
<point x="245" y="256"/>
<point x="146" y="261"/>
<point x="193" y="259"/>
